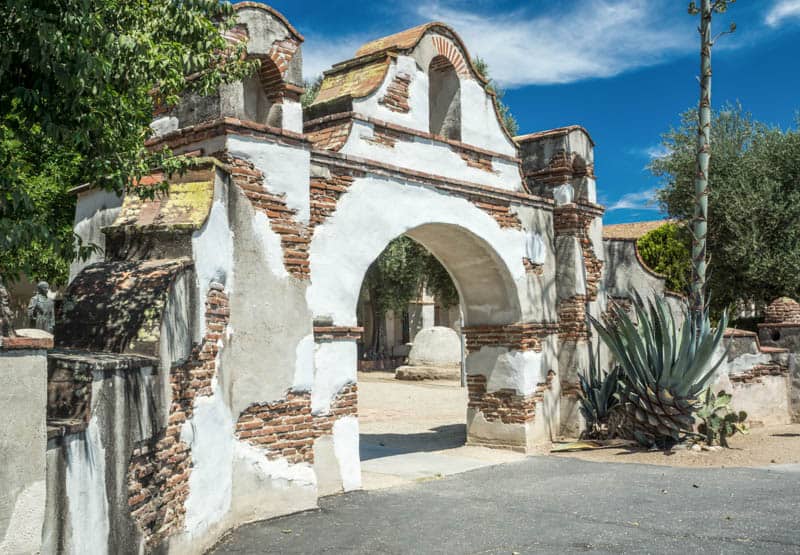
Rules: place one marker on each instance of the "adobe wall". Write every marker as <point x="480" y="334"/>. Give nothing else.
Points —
<point x="23" y="402"/>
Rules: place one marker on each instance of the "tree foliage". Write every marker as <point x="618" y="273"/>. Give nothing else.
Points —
<point x="754" y="204"/>
<point x="401" y="271"/>
<point x="508" y="119"/>
<point x="667" y="250"/>
<point x="311" y="91"/>
<point x="397" y="277"/>
<point x="79" y="81"/>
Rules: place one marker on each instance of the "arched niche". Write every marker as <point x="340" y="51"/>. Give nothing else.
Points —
<point x="444" y="99"/>
<point x="262" y="93"/>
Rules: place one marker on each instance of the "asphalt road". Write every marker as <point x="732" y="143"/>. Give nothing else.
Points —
<point x="550" y="505"/>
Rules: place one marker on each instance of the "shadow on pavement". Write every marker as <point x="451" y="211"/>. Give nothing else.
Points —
<point x="375" y="446"/>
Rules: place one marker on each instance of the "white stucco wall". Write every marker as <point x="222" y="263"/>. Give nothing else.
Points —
<point x="286" y="169"/>
<point x="432" y="157"/>
<point x="334" y="367"/>
<point x="212" y="250"/>
<point x="376" y="211"/>
<point x="508" y="369"/>
<point x="87" y="505"/>
<point x="417" y="116"/>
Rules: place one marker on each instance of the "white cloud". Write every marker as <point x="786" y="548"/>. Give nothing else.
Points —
<point x="657" y="151"/>
<point x="574" y="41"/>
<point x="641" y="200"/>
<point x="781" y="11"/>
<point x="320" y="53"/>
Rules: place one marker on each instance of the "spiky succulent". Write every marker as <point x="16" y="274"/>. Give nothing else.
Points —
<point x="597" y="397"/>
<point x="663" y="369"/>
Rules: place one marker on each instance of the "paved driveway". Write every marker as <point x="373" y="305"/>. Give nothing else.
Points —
<point x="550" y="505"/>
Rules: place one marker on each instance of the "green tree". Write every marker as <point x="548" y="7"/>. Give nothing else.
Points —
<point x="508" y="119"/>
<point x="396" y="278"/>
<point x="79" y="82"/>
<point x="754" y="202"/>
<point x="667" y="251"/>
<point x="311" y="91"/>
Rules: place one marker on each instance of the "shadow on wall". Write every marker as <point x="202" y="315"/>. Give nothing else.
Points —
<point x="376" y="446"/>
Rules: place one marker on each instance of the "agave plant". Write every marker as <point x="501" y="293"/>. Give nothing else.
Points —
<point x="663" y="369"/>
<point x="597" y="397"/>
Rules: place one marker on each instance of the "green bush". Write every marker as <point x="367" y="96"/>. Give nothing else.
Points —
<point x="667" y="250"/>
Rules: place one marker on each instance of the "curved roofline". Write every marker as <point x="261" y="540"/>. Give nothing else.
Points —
<point x="272" y="11"/>
<point x="420" y="31"/>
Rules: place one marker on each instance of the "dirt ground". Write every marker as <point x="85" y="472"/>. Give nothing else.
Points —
<point x="761" y="447"/>
<point x="429" y="416"/>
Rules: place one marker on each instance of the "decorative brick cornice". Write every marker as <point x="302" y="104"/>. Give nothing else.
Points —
<point x="337" y="333"/>
<point x="520" y="337"/>
<point x="225" y="126"/>
<point x="18" y="343"/>
<point x="453" y="186"/>
<point x="408" y="132"/>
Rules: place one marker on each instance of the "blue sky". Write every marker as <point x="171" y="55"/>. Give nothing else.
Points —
<point x="624" y="69"/>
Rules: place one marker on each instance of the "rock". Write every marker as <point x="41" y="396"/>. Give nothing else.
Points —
<point x="435" y="355"/>
<point x="436" y="346"/>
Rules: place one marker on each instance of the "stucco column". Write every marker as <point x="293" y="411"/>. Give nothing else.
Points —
<point x="512" y="393"/>
<point x="23" y="442"/>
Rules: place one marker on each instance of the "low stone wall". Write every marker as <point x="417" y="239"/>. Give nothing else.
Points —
<point x="23" y="437"/>
<point x="758" y="377"/>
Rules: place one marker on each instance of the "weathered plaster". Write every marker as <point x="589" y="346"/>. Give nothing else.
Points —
<point x="345" y="445"/>
<point x="286" y="169"/>
<point x="334" y="366"/>
<point x="508" y="369"/>
<point x="376" y="210"/>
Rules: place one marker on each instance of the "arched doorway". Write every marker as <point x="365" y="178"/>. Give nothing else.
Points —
<point x="412" y="395"/>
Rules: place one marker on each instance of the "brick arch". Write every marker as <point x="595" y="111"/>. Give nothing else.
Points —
<point x="446" y="48"/>
<point x="271" y="77"/>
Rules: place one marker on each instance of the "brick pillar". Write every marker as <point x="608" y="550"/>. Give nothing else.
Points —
<point x="510" y="382"/>
<point x="578" y="276"/>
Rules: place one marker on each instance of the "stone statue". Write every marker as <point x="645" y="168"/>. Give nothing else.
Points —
<point x="41" y="309"/>
<point x="6" y="316"/>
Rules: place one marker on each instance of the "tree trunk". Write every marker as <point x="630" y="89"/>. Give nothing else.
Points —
<point x="700" y="220"/>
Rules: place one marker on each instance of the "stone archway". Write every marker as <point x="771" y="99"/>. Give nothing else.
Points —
<point x="509" y="370"/>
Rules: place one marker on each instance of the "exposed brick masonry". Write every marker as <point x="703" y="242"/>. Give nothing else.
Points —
<point x="294" y="235"/>
<point x="330" y="135"/>
<point x="287" y="429"/>
<point x="521" y="337"/>
<point x="757" y="372"/>
<point x="477" y="160"/>
<point x="572" y="318"/>
<point x="396" y="97"/>
<point x="505" y="405"/>
<point x="532" y="267"/>
<point x="575" y="220"/>
<point x="159" y="469"/>
<point x="325" y="193"/>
